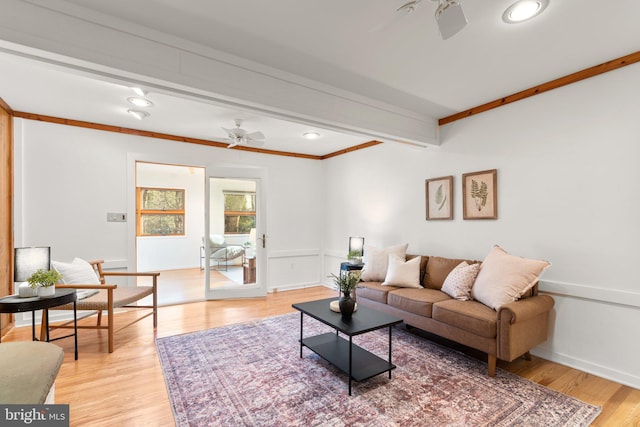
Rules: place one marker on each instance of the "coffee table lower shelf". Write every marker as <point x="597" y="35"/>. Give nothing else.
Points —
<point x="335" y="349"/>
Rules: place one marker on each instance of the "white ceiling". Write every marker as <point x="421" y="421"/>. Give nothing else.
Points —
<point x="340" y="43"/>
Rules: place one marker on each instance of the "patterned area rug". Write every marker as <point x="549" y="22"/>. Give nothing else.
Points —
<point x="252" y="375"/>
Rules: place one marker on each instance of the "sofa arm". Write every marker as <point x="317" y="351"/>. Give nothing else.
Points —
<point x="523" y="325"/>
<point x="525" y="309"/>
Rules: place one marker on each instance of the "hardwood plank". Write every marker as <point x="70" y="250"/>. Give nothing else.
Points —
<point x="127" y="387"/>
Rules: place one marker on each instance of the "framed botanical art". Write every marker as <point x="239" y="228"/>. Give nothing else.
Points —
<point x="480" y="195"/>
<point x="439" y="198"/>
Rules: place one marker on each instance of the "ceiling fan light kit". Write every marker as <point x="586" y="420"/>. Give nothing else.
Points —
<point x="523" y="10"/>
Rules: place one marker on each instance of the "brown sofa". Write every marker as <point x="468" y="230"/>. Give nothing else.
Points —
<point x="505" y="334"/>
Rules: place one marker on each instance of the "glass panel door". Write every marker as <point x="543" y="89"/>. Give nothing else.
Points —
<point x="233" y="251"/>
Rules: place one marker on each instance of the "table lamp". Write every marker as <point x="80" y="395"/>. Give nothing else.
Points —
<point x="27" y="261"/>
<point x="356" y="245"/>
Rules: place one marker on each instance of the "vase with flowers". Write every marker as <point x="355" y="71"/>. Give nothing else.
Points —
<point x="346" y="283"/>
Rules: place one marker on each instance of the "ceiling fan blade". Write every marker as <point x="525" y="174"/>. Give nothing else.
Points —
<point x="233" y="144"/>
<point x="254" y="135"/>
<point x="229" y="132"/>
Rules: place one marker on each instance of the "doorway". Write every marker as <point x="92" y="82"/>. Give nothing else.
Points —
<point x="169" y="228"/>
<point x="235" y="248"/>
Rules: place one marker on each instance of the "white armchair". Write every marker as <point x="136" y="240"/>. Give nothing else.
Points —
<point x="219" y="252"/>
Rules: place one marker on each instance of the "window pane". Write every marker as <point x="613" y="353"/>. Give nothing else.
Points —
<point x="239" y="202"/>
<point x="161" y="199"/>
<point x="162" y="224"/>
<point x="241" y="224"/>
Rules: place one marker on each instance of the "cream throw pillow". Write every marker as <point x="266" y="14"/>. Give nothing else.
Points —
<point x="460" y="280"/>
<point x="376" y="261"/>
<point x="403" y="274"/>
<point x="504" y="278"/>
<point x="77" y="272"/>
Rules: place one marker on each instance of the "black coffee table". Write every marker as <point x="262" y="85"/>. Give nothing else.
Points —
<point x="351" y="359"/>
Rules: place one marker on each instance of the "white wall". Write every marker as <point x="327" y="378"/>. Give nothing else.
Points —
<point x="568" y="186"/>
<point x="68" y="178"/>
<point x="173" y="252"/>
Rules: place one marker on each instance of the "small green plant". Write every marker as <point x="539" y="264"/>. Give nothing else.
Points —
<point x="44" y="278"/>
<point x="354" y="254"/>
<point x="346" y="282"/>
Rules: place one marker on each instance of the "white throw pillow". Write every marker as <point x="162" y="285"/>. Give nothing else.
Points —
<point x="460" y="280"/>
<point x="376" y="261"/>
<point x="504" y="278"/>
<point x="405" y="274"/>
<point x="77" y="272"/>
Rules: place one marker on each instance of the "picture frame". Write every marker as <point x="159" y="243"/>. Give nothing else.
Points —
<point x="480" y="194"/>
<point x="439" y="198"/>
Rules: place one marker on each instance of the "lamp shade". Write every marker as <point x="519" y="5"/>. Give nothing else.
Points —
<point x="356" y="244"/>
<point x="29" y="260"/>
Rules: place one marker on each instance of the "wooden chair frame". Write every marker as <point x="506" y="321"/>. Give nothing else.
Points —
<point x="112" y="301"/>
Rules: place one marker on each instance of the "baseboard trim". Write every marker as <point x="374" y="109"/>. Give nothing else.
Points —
<point x="586" y="366"/>
<point x="293" y="286"/>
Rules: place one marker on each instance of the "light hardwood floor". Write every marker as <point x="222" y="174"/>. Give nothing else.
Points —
<point x="126" y="387"/>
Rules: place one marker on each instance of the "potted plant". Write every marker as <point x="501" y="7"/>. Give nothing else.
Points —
<point x="355" y="257"/>
<point x="44" y="281"/>
<point x="345" y="283"/>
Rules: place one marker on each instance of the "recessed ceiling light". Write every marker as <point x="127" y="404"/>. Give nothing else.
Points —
<point x="138" y="91"/>
<point x="311" y="135"/>
<point x="138" y="114"/>
<point x="523" y="10"/>
<point x="140" y="102"/>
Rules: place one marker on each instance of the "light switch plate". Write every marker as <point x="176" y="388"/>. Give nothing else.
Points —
<point x="116" y="217"/>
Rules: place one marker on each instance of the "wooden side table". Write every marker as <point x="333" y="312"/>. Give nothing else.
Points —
<point x="16" y="304"/>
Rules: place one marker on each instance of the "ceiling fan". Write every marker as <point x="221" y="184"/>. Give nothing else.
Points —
<point x="240" y="136"/>
<point x="449" y="16"/>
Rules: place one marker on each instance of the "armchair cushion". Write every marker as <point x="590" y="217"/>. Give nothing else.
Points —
<point x="228" y="253"/>
<point x="216" y="241"/>
<point x="77" y="272"/>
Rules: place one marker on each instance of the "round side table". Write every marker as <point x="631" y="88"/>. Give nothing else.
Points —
<point x="17" y="304"/>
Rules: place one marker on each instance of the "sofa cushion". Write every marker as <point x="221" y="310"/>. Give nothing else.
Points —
<point x="459" y="282"/>
<point x="504" y="278"/>
<point x="470" y="316"/>
<point x="438" y="268"/>
<point x="374" y="291"/>
<point x="416" y="301"/>
<point x="405" y="274"/>
<point x="377" y="259"/>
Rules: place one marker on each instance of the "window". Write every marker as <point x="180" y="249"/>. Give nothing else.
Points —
<point x="160" y="212"/>
<point x="239" y="212"/>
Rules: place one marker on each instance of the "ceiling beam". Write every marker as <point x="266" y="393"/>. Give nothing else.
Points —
<point x="605" y="67"/>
